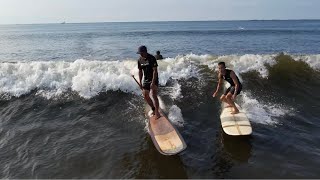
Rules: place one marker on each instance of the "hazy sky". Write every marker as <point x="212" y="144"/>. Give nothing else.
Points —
<point x="52" y="11"/>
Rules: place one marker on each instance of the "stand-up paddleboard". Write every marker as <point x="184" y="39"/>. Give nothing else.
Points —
<point x="234" y="124"/>
<point x="164" y="135"/>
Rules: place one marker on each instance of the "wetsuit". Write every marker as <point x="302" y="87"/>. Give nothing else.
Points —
<point x="158" y="57"/>
<point x="228" y="78"/>
<point x="147" y="65"/>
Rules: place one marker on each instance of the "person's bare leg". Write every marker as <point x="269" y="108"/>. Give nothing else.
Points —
<point x="148" y="99"/>
<point x="235" y="109"/>
<point x="224" y="99"/>
<point x="156" y="102"/>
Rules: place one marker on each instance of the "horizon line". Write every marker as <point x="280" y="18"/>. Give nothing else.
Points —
<point x="65" y="22"/>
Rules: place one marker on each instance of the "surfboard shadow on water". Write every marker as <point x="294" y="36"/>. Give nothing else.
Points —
<point x="152" y="164"/>
<point x="231" y="152"/>
<point x="238" y="147"/>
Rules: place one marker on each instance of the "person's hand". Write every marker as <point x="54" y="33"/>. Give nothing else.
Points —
<point x="234" y="97"/>
<point x="214" y="94"/>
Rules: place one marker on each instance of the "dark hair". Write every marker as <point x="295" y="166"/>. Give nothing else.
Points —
<point x="222" y="63"/>
<point x="142" y="49"/>
<point x="158" y="52"/>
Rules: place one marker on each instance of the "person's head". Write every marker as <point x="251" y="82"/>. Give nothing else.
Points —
<point x="222" y="67"/>
<point x="142" y="50"/>
<point x="158" y="52"/>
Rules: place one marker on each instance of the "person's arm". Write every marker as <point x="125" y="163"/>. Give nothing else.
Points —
<point x="140" y="74"/>
<point x="236" y="82"/>
<point x="218" y="87"/>
<point x="155" y="73"/>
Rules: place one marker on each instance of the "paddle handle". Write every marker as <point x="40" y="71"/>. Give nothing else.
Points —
<point x="136" y="81"/>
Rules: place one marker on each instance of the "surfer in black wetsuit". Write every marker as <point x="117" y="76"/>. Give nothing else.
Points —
<point x="158" y="56"/>
<point x="235" y="86"/>
<point x="147" y="65"/>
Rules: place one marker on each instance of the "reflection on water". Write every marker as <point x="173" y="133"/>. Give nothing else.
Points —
<point x="237" y="147"/>
<point x="152" y="164"/>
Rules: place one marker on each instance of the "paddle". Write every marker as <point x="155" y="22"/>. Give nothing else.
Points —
<point x="136" y="81"/>
<point x="160" y="100"/>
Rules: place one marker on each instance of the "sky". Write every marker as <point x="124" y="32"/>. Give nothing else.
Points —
<point x="73" y="11"/>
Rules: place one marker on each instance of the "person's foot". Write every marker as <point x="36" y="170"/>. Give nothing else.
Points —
<point x="152" y="109"/>
<point x="228" y="106"/>
<point x="235" y="111"/>
<point x="157" y="115"/>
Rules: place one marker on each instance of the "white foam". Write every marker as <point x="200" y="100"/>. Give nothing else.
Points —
<point x="180" y="67"/>
<point x="251" y="62"/>
<point x="175" y="116"/>
<point x="175" y="92"/>
<point x="212" y="62"/>
<point x="161" y="103"/>
<point x="312" y="60"/>
<point x="259" y="112"/>
<point x="242" y="64"/>
<point x="87" y="78"/>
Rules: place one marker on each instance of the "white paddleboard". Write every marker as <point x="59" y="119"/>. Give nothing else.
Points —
<point x="164" y="135"/>
<point x="234" y="124"/>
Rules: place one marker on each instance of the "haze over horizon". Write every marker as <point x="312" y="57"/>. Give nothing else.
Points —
<point x="73" y="11"/>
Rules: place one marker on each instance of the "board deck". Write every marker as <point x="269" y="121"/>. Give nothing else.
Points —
<point x="165" y="136"/>
<point x="235" y="124"/>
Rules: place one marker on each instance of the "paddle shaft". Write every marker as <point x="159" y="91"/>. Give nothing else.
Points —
<point x="136" y="81"/>
<point x="142" y="90"/>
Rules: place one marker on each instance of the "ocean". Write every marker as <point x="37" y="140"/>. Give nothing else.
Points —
<point x="69" y="107"/>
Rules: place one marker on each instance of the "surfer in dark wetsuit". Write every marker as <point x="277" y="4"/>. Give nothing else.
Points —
<point x="158" y="56"/>
<point x="235" y="86"/>
<point x="147" y="65"/>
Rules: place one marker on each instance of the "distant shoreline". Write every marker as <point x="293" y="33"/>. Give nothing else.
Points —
<point x="163" y="21"/>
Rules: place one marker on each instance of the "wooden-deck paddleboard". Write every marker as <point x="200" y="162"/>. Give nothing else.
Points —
<point x="164" y="135"/>
<point x="235" y="124"/>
